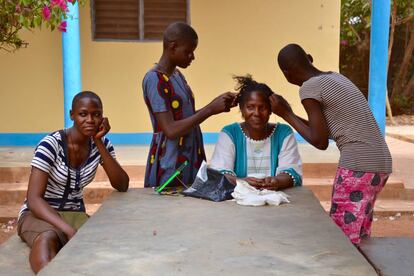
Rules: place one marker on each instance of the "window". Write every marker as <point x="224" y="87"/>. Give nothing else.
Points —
<point x="135" y="19"/>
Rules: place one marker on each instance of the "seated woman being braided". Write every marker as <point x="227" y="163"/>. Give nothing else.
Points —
<point x="264" y="154"/>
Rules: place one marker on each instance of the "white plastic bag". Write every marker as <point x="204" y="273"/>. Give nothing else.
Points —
<point x="244" y="194"/>
<point x="202" y="172"/>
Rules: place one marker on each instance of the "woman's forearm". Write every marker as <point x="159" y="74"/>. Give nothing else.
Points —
<point x="118" y="178"/>
<point x="283" y="181"/>
<point x="175" y="129"/>
<point x="41" y="209"/>
<point x="310" y="134"/>
<point x="232" y="179"/>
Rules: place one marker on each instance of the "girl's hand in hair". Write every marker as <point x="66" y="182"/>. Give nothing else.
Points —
<point x="103" y="129"/>
<point x="222" y="103"/>
<point x="236" y="99"/>
<point x="280" y="106"/>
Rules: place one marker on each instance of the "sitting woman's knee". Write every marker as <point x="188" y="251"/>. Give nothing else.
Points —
<point x="48" y="239"/>
<point x="45" y="248"/>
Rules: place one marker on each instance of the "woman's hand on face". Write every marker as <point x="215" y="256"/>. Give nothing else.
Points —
<point x="103" y="129"/>
<point x="280" y="106"/>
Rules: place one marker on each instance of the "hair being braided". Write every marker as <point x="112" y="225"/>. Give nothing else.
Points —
<point x="246" y="85"/>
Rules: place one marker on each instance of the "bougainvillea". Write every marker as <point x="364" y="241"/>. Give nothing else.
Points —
<point x="16" y="15"/>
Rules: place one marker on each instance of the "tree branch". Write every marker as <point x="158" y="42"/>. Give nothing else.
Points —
<point x="354" y="31"/>
<point x="404" y="20"/>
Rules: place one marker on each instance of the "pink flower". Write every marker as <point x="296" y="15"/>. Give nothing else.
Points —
<point x="344" y="42"/>
<point x="61" y="3"/>
<point x="62" y="26"/>
<point x="46" y="13"/>
<point x="18" y="8"/>
<point x="54" y="3"/>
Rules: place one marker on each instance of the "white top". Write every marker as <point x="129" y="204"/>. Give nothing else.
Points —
<point x="258" y="155"/>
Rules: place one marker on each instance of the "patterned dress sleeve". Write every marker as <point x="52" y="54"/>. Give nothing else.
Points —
<point x="153" y="92"/>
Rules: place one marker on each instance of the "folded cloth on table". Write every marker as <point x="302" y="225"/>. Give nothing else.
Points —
<point x="244" y="194"/>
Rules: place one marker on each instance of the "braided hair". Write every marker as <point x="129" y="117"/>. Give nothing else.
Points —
<point x="246" y="85"/>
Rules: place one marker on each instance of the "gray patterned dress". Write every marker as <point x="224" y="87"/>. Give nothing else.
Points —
<point x="164" y="93"/>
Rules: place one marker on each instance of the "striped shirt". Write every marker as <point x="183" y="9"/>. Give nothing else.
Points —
<point x="49" y="157"/>
<point x="350" y="123"/>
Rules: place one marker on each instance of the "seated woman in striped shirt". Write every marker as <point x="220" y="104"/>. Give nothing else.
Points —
<point x="264" y="154"/>
<point x="64" y="163"/>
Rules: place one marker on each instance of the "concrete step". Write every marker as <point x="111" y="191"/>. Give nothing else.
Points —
<point x="394" y="189"/>
<point x="384" y="207"/>
<point x="95" y="192"/>
<point x="137" y="172"/>
<point x="21" y="174"/>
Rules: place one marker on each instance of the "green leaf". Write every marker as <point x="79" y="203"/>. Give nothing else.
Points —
<point x="26" y="23"/>
<point x="38" y="21"/>
<point x="21" y="19"/>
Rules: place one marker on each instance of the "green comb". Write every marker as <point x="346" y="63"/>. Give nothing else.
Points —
<point x="174" y="175"/>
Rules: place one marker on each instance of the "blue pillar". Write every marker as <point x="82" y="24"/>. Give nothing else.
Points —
<point x="380" y="23"/>
<point x="72" y="82"/>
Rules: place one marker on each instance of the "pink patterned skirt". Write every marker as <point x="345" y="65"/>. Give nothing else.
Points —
<point x="353" y="198"/>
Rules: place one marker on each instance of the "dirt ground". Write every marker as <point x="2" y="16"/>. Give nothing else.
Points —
<point x="398" y="225"/>
<point x="401" y="120"/>
<point x="7" y="229"/>
<point x="393" y="226"/>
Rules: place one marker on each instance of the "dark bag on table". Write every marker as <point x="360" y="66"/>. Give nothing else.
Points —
<point x="216" y="188"/>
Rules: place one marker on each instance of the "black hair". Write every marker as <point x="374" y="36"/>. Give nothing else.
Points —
<point x="85" y="94"/>
<point x="179" y="31"/>
<point x="292" y="57"/>
<point x="246" y="85"/>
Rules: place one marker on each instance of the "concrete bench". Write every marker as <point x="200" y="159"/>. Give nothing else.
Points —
<point x="14" y="258"/>
<point x="390" y="256"/>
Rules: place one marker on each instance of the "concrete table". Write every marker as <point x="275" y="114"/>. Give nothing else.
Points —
<point x="142" y="233"/>
<point x="391" y="255"/>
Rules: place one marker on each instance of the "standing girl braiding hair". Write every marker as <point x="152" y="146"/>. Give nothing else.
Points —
<point x="177" y="137"/>
<point x="64" y="162"/>
<point x="337" y="109"/>
<point x="264" y="154"/>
